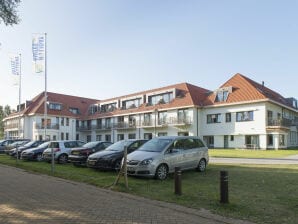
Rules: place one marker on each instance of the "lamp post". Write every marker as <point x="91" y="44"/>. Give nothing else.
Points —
<point x="155" y="120"/>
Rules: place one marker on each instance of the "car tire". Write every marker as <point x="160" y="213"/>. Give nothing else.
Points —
<point x="39" y="157"/>
<point x="161" y="172"/>
<point x="202" y="165"/>
<point x="62" y="159"/>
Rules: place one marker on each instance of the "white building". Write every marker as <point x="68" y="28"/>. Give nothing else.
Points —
<point x="240" y="114"/>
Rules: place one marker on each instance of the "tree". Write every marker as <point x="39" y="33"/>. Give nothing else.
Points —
<point x="4" y="112"/>
<point x="8" y="12"/>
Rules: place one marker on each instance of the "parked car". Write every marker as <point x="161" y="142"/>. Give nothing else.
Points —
<point x="4" y="143"/>
<point x="29" y="145"/>
<point x="15" y="144"/>
<point x="34" y="153"/>
<point x="78" y="156"/>
<point x="61" y="150"/>
<point x="110" y="158"/>
<point x="159" y="156"/>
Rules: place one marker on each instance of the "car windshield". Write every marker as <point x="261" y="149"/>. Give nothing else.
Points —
<point x="155" y="145"/>
<point x="29" y="143"/>
<point x="90" y="144"/>
<point x="119" y="146"/>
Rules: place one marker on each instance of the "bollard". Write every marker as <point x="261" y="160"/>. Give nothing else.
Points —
<point x="224" y="187"/>
<point x="178" y="188"/>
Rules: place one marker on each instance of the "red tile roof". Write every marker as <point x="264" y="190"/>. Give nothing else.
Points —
<point x="245" y="90"/>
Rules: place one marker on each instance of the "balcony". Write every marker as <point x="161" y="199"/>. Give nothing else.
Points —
<point x="282" y="123"/>
<point x="180" y="121"/>
<point x="49" y="126"/>
<point x="11" y="126"/>
<point x="124" y="125"/>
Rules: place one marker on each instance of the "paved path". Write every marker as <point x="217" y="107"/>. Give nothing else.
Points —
<point x="290" y="160"/>
<point x="33" y="198"/>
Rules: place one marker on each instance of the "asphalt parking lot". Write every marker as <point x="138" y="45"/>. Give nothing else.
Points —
<point x="33" y="198"/>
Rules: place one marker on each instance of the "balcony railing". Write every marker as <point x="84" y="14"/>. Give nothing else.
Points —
<point x="180" y="121"/>
<point x="11" y="126"/>
<point x="49" y="126"/>
<point x="282" y="122"/>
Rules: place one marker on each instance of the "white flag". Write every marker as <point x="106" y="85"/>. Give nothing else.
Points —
<point x="15" y="64"/>
<point x="38" y="51"/>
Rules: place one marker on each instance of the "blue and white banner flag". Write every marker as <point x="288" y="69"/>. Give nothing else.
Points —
<point x="15" y="64"/>
<point x="38" y="50"/>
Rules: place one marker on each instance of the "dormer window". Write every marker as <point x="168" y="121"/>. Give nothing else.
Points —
<point x="74" y="110"/>
<point x="108" y="107"/>
<point x="160" y="98"/>
<point x="93" y="109"/>
<point x="55" y="106"/>
<point x="222" y="94"/>
<point x="133" y="103"/>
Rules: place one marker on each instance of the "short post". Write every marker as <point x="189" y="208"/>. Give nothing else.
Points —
<point x="224" y="187"/>
<point x="178" y="186"/>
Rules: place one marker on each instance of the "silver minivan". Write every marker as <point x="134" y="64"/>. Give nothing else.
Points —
<point x="159" y="156"/>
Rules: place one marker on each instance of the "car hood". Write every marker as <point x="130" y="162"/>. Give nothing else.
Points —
<point x="105" y="153"/>
<point x="142" y="155"/>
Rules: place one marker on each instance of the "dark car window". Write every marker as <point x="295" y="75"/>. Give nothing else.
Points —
<point x="91" y="144"/>
<point x="54" y="145"/>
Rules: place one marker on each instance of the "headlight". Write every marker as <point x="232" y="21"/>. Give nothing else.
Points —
<point x="146" y="162"/>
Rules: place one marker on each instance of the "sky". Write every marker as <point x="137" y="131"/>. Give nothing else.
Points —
<point x="102" y="49"/>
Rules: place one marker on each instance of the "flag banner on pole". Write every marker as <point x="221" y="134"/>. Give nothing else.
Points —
<point x="15" y="64"/>
<point x="38" y="51"/>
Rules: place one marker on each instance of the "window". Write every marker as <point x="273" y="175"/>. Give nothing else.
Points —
<point x="66" y="136"/>
<point x="232" y="138"/>
<point x="131" y="103"/>
<point x="162" y="118"/>
<point x="108" y="138"/>
<point x="132" y="120"/>
<point x="93" y="109"/>
<point x="98" y="137"/>
<point x="270" y="140"/>
<point x="147" y="119"/>
<point x="182" y="115"/>
<point x="120" y="137"/>
<point x="77" y="137"/>
<point x="183" y="134"/>
<point x="147" y="135"/>
<point x="213" y="118"/>
<point x="160" y="98"/>
<point x="228" y="117"/>
<point x="245" y="116"/>
<point x="108" y="107"/>
<point x="62" y="136"/>
<point x="132" y="136"/>
<point x="281" y="140"/>
<point x="55" y="106"/>
<point x="74" y="110"/>
<point x="62" y="121"/>
<point x="108" y="123"/>
<point x="67" y="121"/>
<point x="221" y="96"/>
<point x="162" y="134"/>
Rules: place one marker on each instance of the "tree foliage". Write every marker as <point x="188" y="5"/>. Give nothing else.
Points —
<point x="4" y="112"/>
<point x="8" y="12"/>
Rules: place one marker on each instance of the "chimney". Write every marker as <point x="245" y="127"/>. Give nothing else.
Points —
<point x="263" y="83"/>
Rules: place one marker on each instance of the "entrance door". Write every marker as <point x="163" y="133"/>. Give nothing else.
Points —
<point x="226" y="141"/>
<point x="252" y="141"/>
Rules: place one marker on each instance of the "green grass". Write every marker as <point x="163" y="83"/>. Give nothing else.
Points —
<point x="247" y="153"/>
<point x="259" y="193"/>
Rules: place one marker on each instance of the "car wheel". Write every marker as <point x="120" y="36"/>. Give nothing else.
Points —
<point x="202" y="165"/>
<point x="62" y="159"/>
<point x="118" y="165"/>
<point x="39" y="157"/>
<point x="161" y="172"/>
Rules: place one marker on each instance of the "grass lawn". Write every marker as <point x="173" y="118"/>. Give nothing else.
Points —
<point x="248" y="153"/>
<point x="259" y="193"/>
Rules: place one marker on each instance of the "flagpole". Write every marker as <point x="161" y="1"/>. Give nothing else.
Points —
<point x="45" y="92"/>
<point x="20" y="87"/>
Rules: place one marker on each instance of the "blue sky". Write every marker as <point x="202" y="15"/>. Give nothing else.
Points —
<point x="102" y="49"/>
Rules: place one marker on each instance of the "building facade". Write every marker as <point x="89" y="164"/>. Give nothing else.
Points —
<point x="239" y="114"/>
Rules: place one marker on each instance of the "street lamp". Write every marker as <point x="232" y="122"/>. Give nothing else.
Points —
<point x="155" y="120"/>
